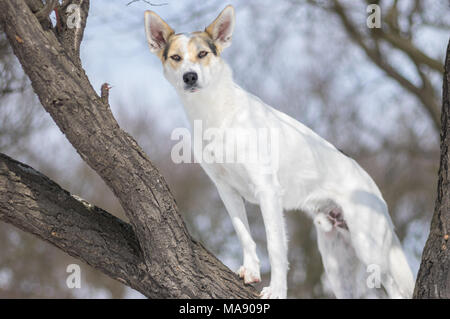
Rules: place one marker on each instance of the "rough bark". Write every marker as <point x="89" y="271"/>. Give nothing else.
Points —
<point x="37" y="205"/>
<point x="433" y="279"/>
<point x="172" y="264"/>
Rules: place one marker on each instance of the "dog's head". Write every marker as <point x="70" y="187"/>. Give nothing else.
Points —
<point x="191" y="61"/>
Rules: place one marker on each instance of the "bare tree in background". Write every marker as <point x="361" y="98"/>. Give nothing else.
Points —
<point x="396" y="34"/>
<point x="13" y="86"/>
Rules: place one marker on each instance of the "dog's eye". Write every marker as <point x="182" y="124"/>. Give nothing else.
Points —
<point x="175" y="57"/>
<point x="202" y="54"/>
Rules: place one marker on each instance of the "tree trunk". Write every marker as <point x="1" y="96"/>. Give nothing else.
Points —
<point x="433" y="279"/>
<point x="168" y="263"/>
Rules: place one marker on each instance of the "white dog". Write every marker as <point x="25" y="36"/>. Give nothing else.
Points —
<point x="302" y="172"/>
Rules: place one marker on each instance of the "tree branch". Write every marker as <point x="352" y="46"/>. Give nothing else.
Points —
<point x="423" y="94"/>
<point x="433" y="279"/>
<point x="179" y="266"/>
<point x="72" y="24"/>
<point x="32" y="202"/>
<point x="408" y="47"/>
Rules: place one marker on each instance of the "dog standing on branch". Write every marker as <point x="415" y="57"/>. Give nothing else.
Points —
<point x="301" y="171"/>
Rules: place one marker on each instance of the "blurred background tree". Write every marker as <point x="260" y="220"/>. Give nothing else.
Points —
<point x="374" y="93"/>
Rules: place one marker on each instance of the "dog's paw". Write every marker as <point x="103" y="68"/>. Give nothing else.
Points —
<point x="249" y="274"/>
<point x="273" y="293"/>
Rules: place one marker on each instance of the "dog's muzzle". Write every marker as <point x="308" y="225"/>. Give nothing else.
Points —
<point x="190" y="81"/>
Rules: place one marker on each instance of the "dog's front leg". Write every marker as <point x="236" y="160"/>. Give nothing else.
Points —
<point x="272" y="212"/>
<point x="234" y="204"/>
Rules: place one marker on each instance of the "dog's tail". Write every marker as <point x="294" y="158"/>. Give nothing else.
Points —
<point x="400" y="272"/>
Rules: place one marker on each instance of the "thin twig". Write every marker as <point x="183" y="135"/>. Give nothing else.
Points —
<point x="148" y="2"/>
<point x="105" y="93"/>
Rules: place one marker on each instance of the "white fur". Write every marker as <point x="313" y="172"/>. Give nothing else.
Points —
<point x="311" y="175"/>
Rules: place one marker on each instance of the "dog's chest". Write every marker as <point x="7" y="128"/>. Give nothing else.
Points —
<point x="235" y="175"/>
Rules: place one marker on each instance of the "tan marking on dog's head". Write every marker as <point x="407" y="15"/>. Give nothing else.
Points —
<point x="197" y="47"/>
<point x="201" y="48"/>
<point x="174" y="47"/>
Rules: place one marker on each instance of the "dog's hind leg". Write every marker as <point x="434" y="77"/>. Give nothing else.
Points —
<point x="376" y="245"/>
<point x="338" y="258"/>
<point x="398" y="280"/>
<point x="345" y="272"/>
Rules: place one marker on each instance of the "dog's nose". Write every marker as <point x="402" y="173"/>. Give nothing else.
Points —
<point x="190" y="78"/>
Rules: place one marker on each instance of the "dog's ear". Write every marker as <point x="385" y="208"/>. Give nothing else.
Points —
<point x="157" y="31"/>
<point x="221" y="29"/>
